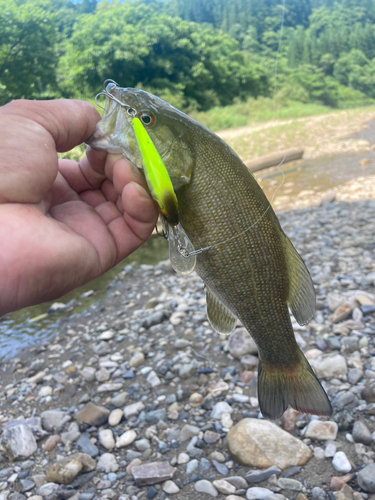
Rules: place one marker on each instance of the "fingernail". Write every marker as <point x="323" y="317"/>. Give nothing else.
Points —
<point x="141" y="190"/>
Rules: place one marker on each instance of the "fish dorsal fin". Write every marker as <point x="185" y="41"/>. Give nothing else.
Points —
<point x="301" y="297"/>
<point x="220" y="317"/>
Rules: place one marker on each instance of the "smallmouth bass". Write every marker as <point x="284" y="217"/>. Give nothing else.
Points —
<point x="250" y="268"/>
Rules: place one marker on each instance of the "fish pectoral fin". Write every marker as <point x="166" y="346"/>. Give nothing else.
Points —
<point x="295" y="386"/>
<point x="220" y="317"/>
<point x="301" y="298"/>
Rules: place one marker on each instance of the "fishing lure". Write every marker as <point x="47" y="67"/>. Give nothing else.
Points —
<point x="157" y="177"/>
<point x="160" y="186"/>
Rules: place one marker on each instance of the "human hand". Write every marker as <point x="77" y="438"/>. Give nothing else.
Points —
<point x="62" y="223"/>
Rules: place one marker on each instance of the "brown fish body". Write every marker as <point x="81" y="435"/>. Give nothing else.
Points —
<point x="250" y="269"/>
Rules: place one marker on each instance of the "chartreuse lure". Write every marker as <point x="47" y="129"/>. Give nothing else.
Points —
<point x="157" y="177"/>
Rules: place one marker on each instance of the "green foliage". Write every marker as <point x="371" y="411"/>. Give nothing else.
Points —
<point x="135" y="46"/>
<point x="27" y="50"/>
<point x="198" y="55"/>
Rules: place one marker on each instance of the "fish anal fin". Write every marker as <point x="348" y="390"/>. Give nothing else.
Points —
<point x="221" y="319"/>
<point x="295" y="386"/>
<point x="301" y="296"/>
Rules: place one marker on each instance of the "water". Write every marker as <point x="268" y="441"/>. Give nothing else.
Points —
<point x="18" y="330"/>
<point x="22" y="328"/>
<point x="320" y="174"/>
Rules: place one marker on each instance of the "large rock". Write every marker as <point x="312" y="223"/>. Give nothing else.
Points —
<point x="152" y="473"/>
<point x="329" y="365"/>
<point x="260" y="443"/>
<point x="18" y="442"/>
<point x="241" y="343"/>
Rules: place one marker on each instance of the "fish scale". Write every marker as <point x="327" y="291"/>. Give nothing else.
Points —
<point x="232" y="270"/>
<point x="251" y="269"/>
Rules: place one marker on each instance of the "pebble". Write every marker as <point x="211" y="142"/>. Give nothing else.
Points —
<point x="289" y="484"/>
<point x="93" y="415"/>
<point x="257" y="476"/>
<point x="330" y="450"/>
<point x="47" y="489"/>
<point x="321" y="431"/>
<point x="106" y="439"/>
<point x="204" y="486"/>
<point x="170" y="487"/>
<point x="64" y="471"/>
<point x="126" y="439"/>
<point x="133" y="409"/>
<point x="366" y="478"/>
<point x="137" y="360"/>
<point x="220" y="408"/>
<point x="241" y="343"/>
<point x="187" y="432"/>
<point x="341" y="463"/>
<point x="361" y="433"/>
<point x="330" y="365"/>
<point x="258" y="492"/>
<point x="108" y="463"/>
<point x="115" y="417"/>
<point x="152" y="473"/>
<point x="224" y="487"/>
<point x="189" y="415"/>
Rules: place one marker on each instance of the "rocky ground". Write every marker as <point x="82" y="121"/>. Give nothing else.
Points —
<point x="138" y="398"/>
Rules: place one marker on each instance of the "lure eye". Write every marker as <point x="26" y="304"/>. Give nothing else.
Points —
<point x="147" y="118"/>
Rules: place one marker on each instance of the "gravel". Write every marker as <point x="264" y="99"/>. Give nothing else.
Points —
<point x="142" y="386"/>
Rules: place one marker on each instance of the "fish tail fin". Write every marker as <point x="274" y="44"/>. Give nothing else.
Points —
<point x="280" y="386"/>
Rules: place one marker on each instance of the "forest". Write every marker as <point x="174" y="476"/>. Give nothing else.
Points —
<point x="197" y="55"/>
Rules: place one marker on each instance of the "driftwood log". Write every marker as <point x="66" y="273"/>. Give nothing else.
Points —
<point x="274" y="159"/>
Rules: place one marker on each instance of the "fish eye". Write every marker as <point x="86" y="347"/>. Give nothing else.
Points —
<point x="147" y="118"/>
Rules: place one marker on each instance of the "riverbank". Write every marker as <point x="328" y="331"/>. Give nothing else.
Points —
<point x="140" y="377"/>
<point x="319" y="136"/>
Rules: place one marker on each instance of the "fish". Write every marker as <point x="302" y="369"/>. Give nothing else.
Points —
<point x="250" y="268"/>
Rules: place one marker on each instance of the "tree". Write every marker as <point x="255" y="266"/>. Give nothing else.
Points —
<point x="134" y="46"/>
<point x="28" y="58"/>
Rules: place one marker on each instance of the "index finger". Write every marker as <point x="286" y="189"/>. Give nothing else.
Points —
<point x="31" y="134"/>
